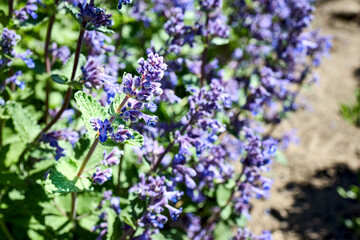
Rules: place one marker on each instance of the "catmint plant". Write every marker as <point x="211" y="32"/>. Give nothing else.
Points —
<point x="150" y="121"/>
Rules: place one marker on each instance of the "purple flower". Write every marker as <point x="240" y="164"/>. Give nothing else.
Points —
<point x="103" y="127"/>
<point x="245" y="234"/>
<point x="209" y="5"/>
<point x="94" y="15"/>
<point x="100" y="177"/>
<point x="25" y="57"/>
<point x="102" y="226"/>
<point x="14" y="79"/>
<point x="155" y="189"/>
<point x="96" y="43"/>
<point x="54" y="136"/>
<point x="113" y="158"/>
<point x="125" y="2"/>
<point x="67" y="114"/>
<point x="121" y="134"/>
<point x="62" y="53"/>
<point x="29" y="9"/>
<point x="8" y="42"/>
<point x="94" y="76"/>
<point x="107" y="194"/>
<point x="115" y="204"/>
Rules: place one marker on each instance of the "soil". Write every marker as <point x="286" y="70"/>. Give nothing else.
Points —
<point x="304" y="203"/>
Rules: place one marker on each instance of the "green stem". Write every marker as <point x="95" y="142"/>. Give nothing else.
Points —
<point x="88" y="156"/>
<point x="73" y="206"/>
<point x="2" y="125"/>
<point x="5" y="230"/>
<point x="67" y="95"/>
<point x="118" y="187"/>
<point x="69" y="91"/>
<point x="11" y="8"/>
<point x="48" y="63"/>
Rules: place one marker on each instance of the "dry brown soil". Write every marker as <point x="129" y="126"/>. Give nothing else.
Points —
<point x="304" y="203"/>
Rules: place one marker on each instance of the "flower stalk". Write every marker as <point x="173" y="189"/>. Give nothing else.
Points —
<point x="48" y="63"/>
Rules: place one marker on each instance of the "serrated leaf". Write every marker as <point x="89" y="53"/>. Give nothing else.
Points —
<point x="27" y="130"/>
<point x="89" y="108"/>
<point x="126" y="217"/>
<point x="30" y="22"/>
<point x="113" y="224"/>
<point x="62" y="178"/>
<point x="100" y="29"/>
<point x="74" y="11"/>
<point x="88" y="202"/>
<point x="3" y="113"/>
<point x="63" y="76"/>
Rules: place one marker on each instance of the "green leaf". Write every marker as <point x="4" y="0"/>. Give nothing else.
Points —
<point x="41" y="166"/>
<point x="242" y="97"/>
<point x="158" y="236"/>
<point x="222" y="231"/>
<point x="100" y="29"/>
<point x="27" y="130"/>
<point x="4" y="19"/>
<point x="3" y="113"/>
<point x="226" y="212"/>
<point x="280" y="158"/>
<point x="62" y="178"/>
<point x="89" y="108"/>
<point x="241" y="221"/>
<point x="254" y="80"/>
<point x="222" y="195"/>
<point x="114" y="228"/>
<point x="30" y="22"/>
<point x="63" y="76"/>
<point x="88" y="202"/>
<point x="126" y="217"/>
<point x="74" y="11"/>
<point x="220" y="41"/>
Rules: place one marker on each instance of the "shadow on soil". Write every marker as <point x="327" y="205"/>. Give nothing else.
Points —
<point x="357" y="75"/>
<point x="318" y="210"/>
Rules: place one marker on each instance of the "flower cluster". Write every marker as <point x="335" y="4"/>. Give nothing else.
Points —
<point x="14" y="79"/>
<point x="215" y="78"/>
<point x="94" y="16"/>
<point x="258" y="157"/>
<point x="111" y="159"/>
<point x="145" y="87"/>
<point x="96" y="43"/>
<point x="245" y="234"/>
<point x="114" y="205"/>
<point x="59" y="53"/>
<point x="54" y="136"/>
<point x="8" y="42"/>
<point x="29" y="10"/>
<point x="160" y="195"/>
<point x="123" y="2"/>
